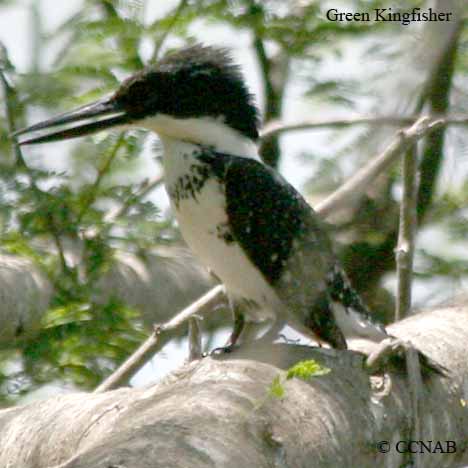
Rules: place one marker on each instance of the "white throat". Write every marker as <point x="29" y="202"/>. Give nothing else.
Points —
<point x="205" y="131"/>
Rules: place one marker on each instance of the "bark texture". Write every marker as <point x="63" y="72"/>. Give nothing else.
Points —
<point x="218" y="412"/>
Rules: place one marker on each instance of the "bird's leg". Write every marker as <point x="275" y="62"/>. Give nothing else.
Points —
<point x="239" y="326"/>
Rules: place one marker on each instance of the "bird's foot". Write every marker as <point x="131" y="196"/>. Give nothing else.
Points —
<point x="399" y="350"/>
<point x="386" y="349"/>
<point x="228" y="348"/>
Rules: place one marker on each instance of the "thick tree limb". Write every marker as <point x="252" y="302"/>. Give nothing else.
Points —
<point x="217" y="412"/>
<point x="159" y="286"/>
<point x="24" y="296"/>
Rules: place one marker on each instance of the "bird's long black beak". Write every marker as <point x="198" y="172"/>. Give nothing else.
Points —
<point x="105" y="113"/>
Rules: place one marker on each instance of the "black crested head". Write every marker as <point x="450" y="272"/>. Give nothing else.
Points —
<point x="197" y="81"/>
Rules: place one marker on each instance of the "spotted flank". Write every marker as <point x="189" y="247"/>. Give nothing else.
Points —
<point x="189" y="184"/>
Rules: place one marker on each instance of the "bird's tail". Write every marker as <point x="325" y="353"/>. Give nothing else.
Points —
<point x="355" y="320"/>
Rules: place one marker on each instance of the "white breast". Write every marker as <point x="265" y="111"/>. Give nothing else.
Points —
<point x="203" y="221"/>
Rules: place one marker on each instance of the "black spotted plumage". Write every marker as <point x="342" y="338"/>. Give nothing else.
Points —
<point x="340" y="290"/>
<point x="264" y="212"/>
<point x="190" y="184"/>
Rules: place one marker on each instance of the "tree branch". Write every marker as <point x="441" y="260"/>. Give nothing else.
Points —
<point x="358" y="183"/>
<point x="101" y="173"/>
<point x="146" y="187"/>
<point x="176" y="14"/>
<point x="147" y="350"/>
<point x="273" y="73"/>
<point x="404" y="251"/>
<point x="437" y="96"/>
<point x="195" y="339"/>
<point x="277" y="127"/>
<point x="219" y="412"/>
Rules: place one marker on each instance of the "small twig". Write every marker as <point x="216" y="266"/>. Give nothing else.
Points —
<point x="194" y="339"/>
<point x="274" y="73"/>
<point x="207" y="301"/>
<point x="102" y="171"/>
<point x="404" y="251"/>
<point x="277" y="127"/>
<point x="165" y="34"/>
<point x="58" y="243"/>
<point x="357" y="184"/>
<point x="37" y="36"/>
<point x="145" y="188"/>
<point x="146" y="351"/>
<point x="378" y="358"/>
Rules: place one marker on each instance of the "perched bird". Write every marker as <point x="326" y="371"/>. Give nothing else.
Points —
<point x="241" y="218"/>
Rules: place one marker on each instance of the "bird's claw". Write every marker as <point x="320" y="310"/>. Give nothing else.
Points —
<point x="387" y="348"/>
<point x="222" y="350"/>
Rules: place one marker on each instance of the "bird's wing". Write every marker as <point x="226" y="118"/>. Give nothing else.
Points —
<point x="285" y="240"/>
<point x="266" y="214"/>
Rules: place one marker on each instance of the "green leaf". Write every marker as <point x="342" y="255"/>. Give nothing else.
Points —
<point x="305" y="370"/>
<point x="276" y="389"/>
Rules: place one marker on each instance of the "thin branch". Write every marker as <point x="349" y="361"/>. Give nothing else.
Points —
<point x="404" y="251"/>
<point x="35" y="24"/>
<point x="436" y="92"/>
<point x="102" y="171"/>
<point x="146" y="187"/>
<point x="355" y="186"/>
<point x="195" y="339"/>
<point x="147" y="350"/>
<point x="277" y="127"/>
<point x="165" y="34"/>
<point x="58" y="243"/>
<point x="274" y="73"/>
